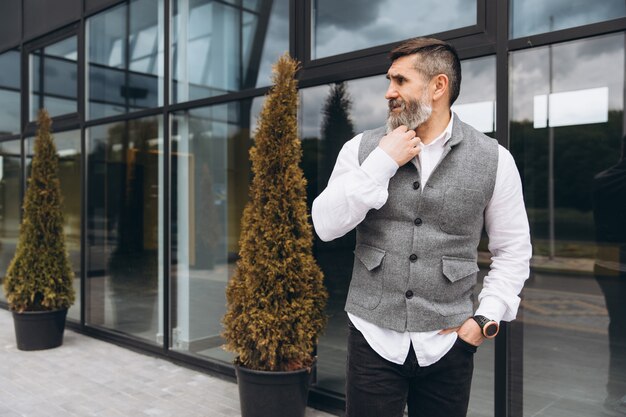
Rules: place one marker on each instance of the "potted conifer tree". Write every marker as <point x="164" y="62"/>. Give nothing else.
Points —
<point x="38" y="284"/>
<point x="276" y="297"/>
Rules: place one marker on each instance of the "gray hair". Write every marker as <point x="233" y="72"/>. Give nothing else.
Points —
<point x="438" y="57"/>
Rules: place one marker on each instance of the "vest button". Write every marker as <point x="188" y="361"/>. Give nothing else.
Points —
<point x="418" y="222"/>
<point x="409" y="294"/>
<point x="416" y="185"/>
<point x="413" y="257"/>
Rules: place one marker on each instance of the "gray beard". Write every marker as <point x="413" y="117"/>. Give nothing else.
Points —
<point x="413" y="113"/>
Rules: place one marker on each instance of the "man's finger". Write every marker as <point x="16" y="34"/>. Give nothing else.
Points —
<point x="450" y="330"/>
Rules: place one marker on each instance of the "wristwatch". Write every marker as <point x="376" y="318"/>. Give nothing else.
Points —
<point x="489" y="327"/>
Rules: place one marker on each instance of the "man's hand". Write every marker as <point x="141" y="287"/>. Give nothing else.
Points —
<point x="469" y="331"/>
<point x="401" y="144"/>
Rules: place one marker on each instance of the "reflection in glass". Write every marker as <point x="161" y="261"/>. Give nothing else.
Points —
<point x="124" y="214"/>
<point x="329" y="117"/>
<point x="609" y="214"/>
<point x="347" y="26"/>
<point x="125" y="59"/>
<point x="210" y="172"/>
<point x="476" y="104"/>
<point x="53" y="82"/>
<point x="10" y="178"/>
<point x="69" y="153"/>
<point x="568" y="155"/>
<point x="10" y="97"/>
<point x="220" y="47"/>
<point x="529" y="17"/>
<point x="578" y="107"/>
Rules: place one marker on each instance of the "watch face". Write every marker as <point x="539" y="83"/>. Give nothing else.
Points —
<point x="491" y="329"/>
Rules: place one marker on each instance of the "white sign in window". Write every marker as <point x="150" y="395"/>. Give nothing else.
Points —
<point x="571" y="108"/>
<point x="480" y="115"/>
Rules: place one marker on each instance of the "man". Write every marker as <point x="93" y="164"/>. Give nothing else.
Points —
<point x="418" y="192"/>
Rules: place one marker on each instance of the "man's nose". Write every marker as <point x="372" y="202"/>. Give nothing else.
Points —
<point x="391" y="92"/>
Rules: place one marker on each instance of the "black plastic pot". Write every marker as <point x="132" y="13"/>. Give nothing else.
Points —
<point x="273" y="394"/>
<point x="38" y="330"/>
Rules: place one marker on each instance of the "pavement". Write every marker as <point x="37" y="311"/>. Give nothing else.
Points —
<point x="90" y="377"/>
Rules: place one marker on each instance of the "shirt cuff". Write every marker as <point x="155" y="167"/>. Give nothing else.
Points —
<point x="379" y="166"/>
<point x="492" y="308"/>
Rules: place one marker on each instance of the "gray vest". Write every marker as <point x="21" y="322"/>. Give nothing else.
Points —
<point x="415" y="258"/>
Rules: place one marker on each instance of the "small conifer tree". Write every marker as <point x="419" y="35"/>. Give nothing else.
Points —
<point x="276" y="297"/>
<point x="40" y="275"/>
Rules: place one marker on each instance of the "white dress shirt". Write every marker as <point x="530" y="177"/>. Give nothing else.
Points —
<point x="355" y="189"/>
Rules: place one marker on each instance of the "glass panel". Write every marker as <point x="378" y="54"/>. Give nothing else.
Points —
<point x="220" y="48"/>
<point x="476" y="104"/>
<point x="251" y="4"/>
<point x="347" y="26"/>
<point x="529" y="17"/>
<point x="69" y="152"/>
<point x="10" y="172"/>
<point x="124" y="238"/>
<point x="210" y="172"/>
<point x="10" y="97"/>
<point x="53" y="81"/>
<point x="566" y="135"/>
<point x="332" y="115"/>
<point x="329" y="117"/>
<point x="125" y="59"/>
<point x="272" y="40"/>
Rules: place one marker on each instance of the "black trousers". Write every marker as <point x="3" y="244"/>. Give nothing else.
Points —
<point x="376" y="387"/>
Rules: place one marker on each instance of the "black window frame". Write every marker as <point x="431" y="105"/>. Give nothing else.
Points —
<point x="64" y="121"/>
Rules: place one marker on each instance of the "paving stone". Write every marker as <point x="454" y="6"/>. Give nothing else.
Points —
<point x="88" y="377"/>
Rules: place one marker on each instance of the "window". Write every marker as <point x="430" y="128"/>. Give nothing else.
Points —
<point x="53" y="78"/>
<point x="210" y="172"/>
<point x="220" y="48"/>
<point x="125" y="59"/>
<point x="10" y="96"/>
<point x="566" y="136"/>
<point x="124" y="232"/>
<point x="529" y="17"/>
<point x="346" y="26"/>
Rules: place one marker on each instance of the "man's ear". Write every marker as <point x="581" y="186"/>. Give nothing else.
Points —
<point x="440" y="86"/>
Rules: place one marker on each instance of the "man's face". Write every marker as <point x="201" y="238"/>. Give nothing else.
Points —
<point x="408" y="95"/>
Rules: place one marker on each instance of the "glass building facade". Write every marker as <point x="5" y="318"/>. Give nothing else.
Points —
<point x="155" y="105"/>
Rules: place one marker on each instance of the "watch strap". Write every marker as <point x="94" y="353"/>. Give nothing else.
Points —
<point x="488" y="327"/>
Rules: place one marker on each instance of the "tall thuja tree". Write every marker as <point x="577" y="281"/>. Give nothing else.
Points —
<point x="337" y="126"/>
<point x="276" y="297"/>
<point x="40" y="275"/>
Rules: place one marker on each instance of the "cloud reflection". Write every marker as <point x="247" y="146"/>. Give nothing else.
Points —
<point x="350" y="25"/>
<point x="276" y="40"/>
<point x="588" y="63"/>
<point x="539" y="16"/>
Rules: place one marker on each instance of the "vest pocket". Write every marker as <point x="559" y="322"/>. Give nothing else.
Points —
<point x="460" y="278"/>
<point x="366" y="287"/>
<point x="457" y="268"/>
<point x="462" y="211"/>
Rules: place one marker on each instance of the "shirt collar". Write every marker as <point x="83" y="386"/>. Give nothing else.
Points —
<point x="444" y="137"/>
